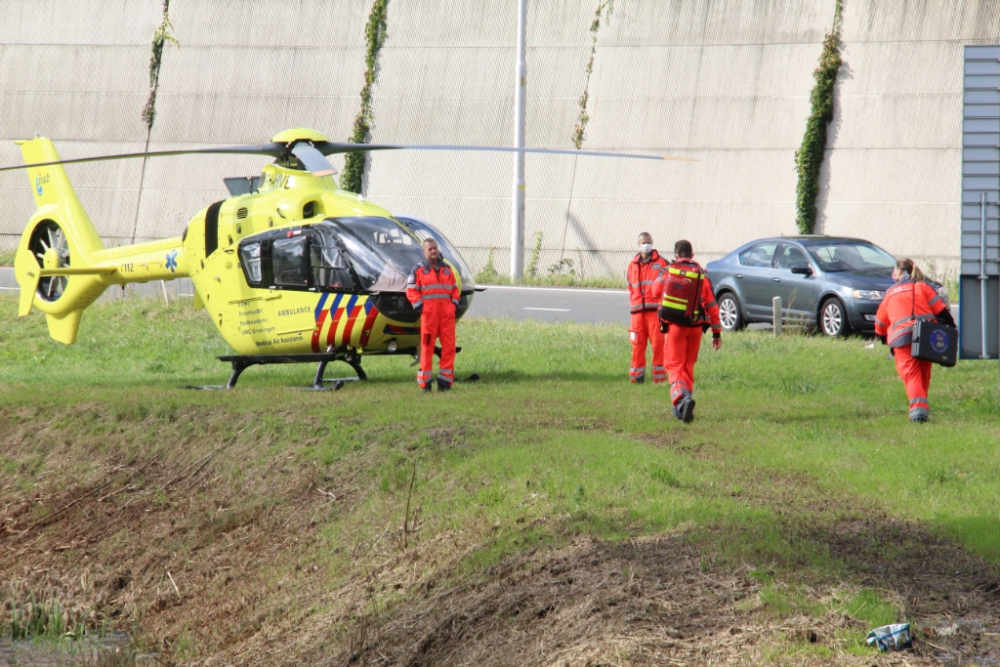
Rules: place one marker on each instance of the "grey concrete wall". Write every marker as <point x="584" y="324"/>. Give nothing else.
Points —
<point x="724" y="81"/>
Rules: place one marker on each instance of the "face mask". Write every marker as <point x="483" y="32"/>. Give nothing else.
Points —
<point x="646" y="248"/>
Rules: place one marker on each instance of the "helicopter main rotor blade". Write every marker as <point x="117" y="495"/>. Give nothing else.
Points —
<point x="312" y="156"/>
<point x="273" y="149"/>
<point x="330" y="148"/>
<point x="313" y="160"/>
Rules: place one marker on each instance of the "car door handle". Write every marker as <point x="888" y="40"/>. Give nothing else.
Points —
<point x="739" y="275"/>
<point x="777" y="280"/>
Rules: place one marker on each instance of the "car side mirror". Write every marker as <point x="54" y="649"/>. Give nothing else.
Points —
<point x="803" y="269"/>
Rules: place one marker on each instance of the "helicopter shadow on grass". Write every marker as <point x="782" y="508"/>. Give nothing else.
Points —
<point x="471" y="377"/>
<point x="464" y="378"/>
<point x="520" y="377"/>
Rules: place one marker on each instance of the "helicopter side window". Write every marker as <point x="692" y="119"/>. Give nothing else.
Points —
<point x="250" y="254"/>
<point x="288" y="257"/>
<point x="329" y="268"/>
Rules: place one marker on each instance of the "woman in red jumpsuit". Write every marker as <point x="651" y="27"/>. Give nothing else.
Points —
<point x="909" y="300"/>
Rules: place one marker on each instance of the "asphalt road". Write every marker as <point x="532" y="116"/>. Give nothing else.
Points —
<point x="551" y="304"/>
<point x="545" y="304"/>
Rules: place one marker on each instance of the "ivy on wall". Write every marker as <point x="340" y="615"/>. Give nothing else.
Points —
<point x="809" y="157"/>
<point x="160" y="38"/>
<point x="354" y="163"/>
<point x="581" y="123"/>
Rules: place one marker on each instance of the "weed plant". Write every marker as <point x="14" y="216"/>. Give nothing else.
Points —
<point x="28" y="614"/>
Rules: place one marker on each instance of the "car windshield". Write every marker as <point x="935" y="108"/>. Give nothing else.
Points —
<point x="381" y="252"/>
<point x="851" y="256"/>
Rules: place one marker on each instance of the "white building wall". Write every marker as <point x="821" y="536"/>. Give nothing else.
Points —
<point x="725" y="81"/>
<point x="77" y="71"/>
<point x="893" y="167"/>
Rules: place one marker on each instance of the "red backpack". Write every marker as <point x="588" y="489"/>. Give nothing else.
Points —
<point x="682" y="293"/>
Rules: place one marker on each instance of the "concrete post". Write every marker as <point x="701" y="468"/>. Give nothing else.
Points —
<point x="776" y="311"/>
<point x="517" y="214"/>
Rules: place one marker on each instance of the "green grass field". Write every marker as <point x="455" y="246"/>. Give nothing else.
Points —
<point x="800" y="471"/>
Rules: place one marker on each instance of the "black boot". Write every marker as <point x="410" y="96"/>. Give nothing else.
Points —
<point x="443" y="385"/>
<point x="687" y="410"/>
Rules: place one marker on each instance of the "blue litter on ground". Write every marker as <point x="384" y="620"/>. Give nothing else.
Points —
<point x="893" y="637"/>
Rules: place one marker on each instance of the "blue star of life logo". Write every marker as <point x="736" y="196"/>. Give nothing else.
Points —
<point x="172" y="261"/>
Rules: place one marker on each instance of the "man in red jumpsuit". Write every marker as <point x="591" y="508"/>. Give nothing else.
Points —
<point x="688" y="310"/>
<point x="909" y="300"/>
<point x="433" y="291"/>
<point x="644" y="291"/>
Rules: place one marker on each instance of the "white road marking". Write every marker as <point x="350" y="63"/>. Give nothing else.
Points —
<point x="553" y="310"/>
<point x="13" y="289"/>
<point x="558" y="289"/>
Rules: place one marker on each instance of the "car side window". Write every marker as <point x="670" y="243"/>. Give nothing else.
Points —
<point x="760" y="255"/>
<point x="790" y="256"/>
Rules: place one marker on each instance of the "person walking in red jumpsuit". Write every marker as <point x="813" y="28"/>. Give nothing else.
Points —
<point x="688" y="310"/>
<point x="433" y="292"/>
<point x="909" y="300"/>
<point x="644" y="291"/>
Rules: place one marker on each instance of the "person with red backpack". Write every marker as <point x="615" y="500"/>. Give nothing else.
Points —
<point x="687" y="311"/>
<point x="644" y="292"/>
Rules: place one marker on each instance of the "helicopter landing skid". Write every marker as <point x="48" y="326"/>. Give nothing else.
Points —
<point x="242" y="362"/>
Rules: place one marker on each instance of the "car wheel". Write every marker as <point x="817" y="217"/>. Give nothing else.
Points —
<point x="833" y="318"/>
<point x="729" y="312"/>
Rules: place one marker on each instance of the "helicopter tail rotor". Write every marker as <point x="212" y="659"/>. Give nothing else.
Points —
<point x="49" y="245"/>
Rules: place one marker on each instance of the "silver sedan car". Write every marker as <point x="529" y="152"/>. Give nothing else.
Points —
<point x="833" y="283"/>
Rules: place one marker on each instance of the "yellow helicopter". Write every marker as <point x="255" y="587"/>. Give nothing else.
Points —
<point x="289" y="267"/>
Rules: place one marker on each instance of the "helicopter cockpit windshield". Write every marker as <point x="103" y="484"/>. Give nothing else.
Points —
<point x="362" y="254"/>
<point x="381" y="253"/>
<point x="423" y="231"/>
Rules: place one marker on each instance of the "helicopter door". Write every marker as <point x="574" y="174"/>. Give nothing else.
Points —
<point x="288" y="261"/>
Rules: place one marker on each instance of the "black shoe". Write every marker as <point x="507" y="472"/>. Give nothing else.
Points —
<point x="426" y="390"/>
<point x="919" y="420"/>
<point x="687" y="410"/>
<point x="443" y="386"/>
<point x="677" y="413"/>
